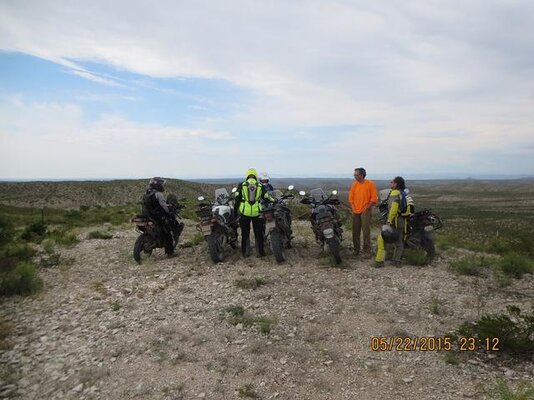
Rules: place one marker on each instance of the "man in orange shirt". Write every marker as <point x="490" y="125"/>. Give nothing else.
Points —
<point x="362" y="197"/>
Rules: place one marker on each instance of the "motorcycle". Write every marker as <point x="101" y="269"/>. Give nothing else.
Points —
<point x="153" y="235"/>
<point x="277" y="217"/>
<point x="218" y="223"/>
<point x="420" y="229"/>
<point x="325" y="221"/>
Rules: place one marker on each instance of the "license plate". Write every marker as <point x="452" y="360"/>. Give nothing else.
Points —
<point x="269" y="225"/>
<point x="205" y="229"/>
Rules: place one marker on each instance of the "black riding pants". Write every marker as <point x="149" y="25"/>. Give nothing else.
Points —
<point x="257" y="225"/>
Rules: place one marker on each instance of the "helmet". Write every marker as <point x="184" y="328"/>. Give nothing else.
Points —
<point x="157" y="183"/>
<point x="264" y="177"/>
<point x="389" y="234"/>
<point x="251" y="171"/>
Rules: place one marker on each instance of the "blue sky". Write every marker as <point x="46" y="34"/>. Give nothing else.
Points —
<point x="309" y="88"/>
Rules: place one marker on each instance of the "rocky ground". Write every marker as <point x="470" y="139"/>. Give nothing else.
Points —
<point x="107" y="328"/>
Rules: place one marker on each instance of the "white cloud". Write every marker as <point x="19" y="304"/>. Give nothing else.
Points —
<point x="413" y="71"/>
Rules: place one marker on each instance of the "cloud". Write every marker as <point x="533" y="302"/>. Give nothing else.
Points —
<point x="410" y="73"/>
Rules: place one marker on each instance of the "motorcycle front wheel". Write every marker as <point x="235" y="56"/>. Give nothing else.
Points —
<point x="333" y="245"/>
<point x="277" y="244"/>
<point x="215" y="247"/>
<point x="142" y="248"/>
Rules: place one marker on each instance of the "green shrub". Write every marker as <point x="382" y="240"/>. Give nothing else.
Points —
<point x="19" y="250"/>
<point x="237" y="315"/>
<point x="99" y="235"/>
<point x="7" y="231"/>
<point x="469" y="265"/>
<point x="49" y="245"/>
<point x="516" y="265"/>
<point x="35" y="232"/>
<point x="415" y="256"/>
<point x="250" y="283"/>
<point x="247" y="391"/>
<point x="195" y="240"/>
<point x="21" y="280"/>
<point x="514" y="330"/>
<point x="63" y="237"/>
<point x="502" y="391"/>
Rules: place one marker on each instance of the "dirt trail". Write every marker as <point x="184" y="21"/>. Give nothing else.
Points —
<point x="106" y="328"/>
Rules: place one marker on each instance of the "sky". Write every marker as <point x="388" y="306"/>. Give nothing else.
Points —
<point x="208" y="89"/>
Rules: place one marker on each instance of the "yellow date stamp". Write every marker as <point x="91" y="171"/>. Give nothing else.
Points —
<point x="433" y="343"/>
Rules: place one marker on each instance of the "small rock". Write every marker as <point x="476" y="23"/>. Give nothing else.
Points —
<point x="407" y="380"/>
<point x="202" y="395"/>
<point x="78" y="388"/>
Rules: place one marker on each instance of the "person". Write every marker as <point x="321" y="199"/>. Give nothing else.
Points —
<point x="264" y="180"/>
<point x="248" y="199"/>
<point x="362" y="197"/>
<point x="157" y="208"/>
<point x="395" y="224"/>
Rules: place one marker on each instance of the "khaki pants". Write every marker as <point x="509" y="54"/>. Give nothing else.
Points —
<point x="361" y="223"/>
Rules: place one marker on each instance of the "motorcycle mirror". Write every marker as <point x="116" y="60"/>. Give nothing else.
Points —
<point x="234" y="189"/>
<point x="200" y="198"/>
<point x="334" y="192"/>
<point x="290" y="187"/>
<point x="302" y="193"/>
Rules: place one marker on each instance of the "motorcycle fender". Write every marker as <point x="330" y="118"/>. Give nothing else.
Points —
<point x="328" y="233"/>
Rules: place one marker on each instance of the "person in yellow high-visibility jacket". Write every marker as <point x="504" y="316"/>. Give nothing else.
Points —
<point x="397" y="221"/>
<point x="248" y="204"/>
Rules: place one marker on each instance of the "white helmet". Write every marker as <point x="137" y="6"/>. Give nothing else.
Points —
<point x="264" y="176"/>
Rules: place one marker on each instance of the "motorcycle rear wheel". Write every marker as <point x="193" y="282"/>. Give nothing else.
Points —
<point x="215" y="247"/>
<point x="277" y="244"/>
<point x="427" y="243"/>
<point x="333" y="245"/>
<point x="142" y="249"/>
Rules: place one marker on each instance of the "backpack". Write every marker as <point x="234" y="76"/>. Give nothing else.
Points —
<point x="148" y="202"/>
<point x="406" y="204"/>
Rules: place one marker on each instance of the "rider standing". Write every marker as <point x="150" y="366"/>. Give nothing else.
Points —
<point x="248" y="203"/>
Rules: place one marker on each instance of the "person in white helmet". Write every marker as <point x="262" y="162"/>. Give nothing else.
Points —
<point x="264" y="180"/>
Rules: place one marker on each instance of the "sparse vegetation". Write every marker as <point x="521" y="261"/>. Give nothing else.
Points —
<point x="469" y="265"/>
<point x="21" y="280"/>
<point x="415" y="256"/>
<point x="501" y="391"/>
<point x="99" y="235"/>
<point x="516" y="265"/>
<point x="195" y="240"/>
<point x="236" y="315"/>
<point x="515" y="331"/>
<point x="247" y="391"/>
<point x="250" y="283"/>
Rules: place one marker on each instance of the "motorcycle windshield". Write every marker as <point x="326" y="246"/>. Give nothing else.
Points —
<point x="276" y="194"/>
<point x="317" y="195"/>
<point x="221" y="196"/>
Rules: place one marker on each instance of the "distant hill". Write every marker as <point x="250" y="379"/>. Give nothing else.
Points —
<point x="73" y="194"/>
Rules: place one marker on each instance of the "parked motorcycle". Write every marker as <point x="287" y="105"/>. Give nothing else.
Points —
<point x="218" y="223"/>
<point x="277" y="218"/>
<point x="154" y="235"/>
<point x="421" y="226"/>
<point x="325" y="221"/>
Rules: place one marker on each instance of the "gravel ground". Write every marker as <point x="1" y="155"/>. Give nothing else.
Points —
<point x="107" y="328"/>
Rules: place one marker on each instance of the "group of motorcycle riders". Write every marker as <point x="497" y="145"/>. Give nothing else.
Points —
<point x="255" y="191"/>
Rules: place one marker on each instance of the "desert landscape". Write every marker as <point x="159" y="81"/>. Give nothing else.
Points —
<point x="100" y="326"/>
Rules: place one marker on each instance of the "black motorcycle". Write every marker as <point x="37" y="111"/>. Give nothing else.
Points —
<point x="277" y="217"/>
<point x="156" y="235"/>
<point x="218" y="223"/>
<point x="420" y="229"/>
<point x="325" y="221"/>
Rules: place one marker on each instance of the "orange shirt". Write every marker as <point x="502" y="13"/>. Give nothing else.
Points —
<point x="361" y="195"/>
